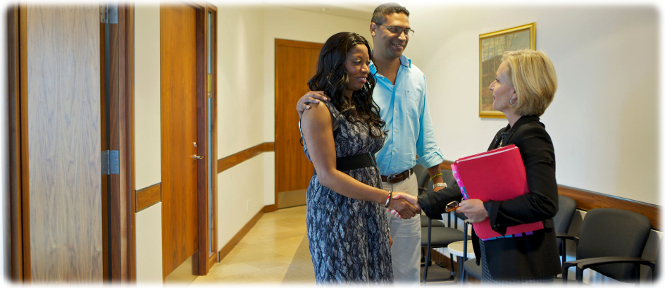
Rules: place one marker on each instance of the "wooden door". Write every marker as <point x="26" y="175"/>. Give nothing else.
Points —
<point x="60" y="143"/>
<point x="179" y="133"/>
<point x="295" y="64"/>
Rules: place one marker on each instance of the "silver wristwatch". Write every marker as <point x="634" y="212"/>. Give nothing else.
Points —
<point x="442" y="184"/>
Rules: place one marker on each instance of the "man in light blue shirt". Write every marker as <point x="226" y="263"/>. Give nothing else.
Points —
<point x="405" y="110"/>
<point x="401" y="94"/>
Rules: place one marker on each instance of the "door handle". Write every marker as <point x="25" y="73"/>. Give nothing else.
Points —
<point x="197" y="157"/>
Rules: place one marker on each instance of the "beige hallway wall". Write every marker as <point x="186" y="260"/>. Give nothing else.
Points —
<point x="604" y="117"/>
<point x="239" y="118"/>
<point x="147" y="141"/>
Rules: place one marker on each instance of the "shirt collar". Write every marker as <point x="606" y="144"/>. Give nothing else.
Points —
<point x="403" y="60"/>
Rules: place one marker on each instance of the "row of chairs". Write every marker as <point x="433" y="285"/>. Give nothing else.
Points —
<point x="610" y="241"/>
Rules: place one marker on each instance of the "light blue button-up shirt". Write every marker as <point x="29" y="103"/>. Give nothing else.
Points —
<point x="406" y="113"/>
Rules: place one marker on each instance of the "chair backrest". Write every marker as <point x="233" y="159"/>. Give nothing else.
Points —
<point x="564" y="216"/>
<point x="421" y="175"/>
<point x="611" y="232"/>
<point x="448" y="177"/>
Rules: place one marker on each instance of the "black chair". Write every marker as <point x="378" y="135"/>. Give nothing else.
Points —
<point x="468" y="266"/>
<point x="425" y="221"/>
<point x="439" y="237"/>
<point x="611" y="242"/>
<point x="561" y="220"/>
<point x="422" y="177"/>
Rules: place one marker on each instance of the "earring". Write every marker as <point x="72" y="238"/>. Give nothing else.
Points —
<point x="511" y="102"/>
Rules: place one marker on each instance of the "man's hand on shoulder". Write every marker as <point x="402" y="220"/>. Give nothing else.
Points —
<point x="310" y="97"/>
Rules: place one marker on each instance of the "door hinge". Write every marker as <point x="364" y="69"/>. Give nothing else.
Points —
<point x="110" y="162"/>
<point x="108" y="12"/>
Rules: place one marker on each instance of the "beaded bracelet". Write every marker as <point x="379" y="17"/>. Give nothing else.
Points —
<point x="390" y="197"/>
<point x="432" y="179"/>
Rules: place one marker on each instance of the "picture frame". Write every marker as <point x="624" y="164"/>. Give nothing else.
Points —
<point x="491" y="47"/>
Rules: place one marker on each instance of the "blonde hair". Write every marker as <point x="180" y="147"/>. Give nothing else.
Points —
<point x="534" y="79"/>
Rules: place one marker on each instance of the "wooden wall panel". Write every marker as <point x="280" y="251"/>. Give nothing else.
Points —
<point x="587" y="200"/>
<point x="148" y="196"/>
<point x="242" y="156"/>
<point x="63" y="74"/>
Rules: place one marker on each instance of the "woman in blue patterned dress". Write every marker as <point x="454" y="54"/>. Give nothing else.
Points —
<point x="346" y="224"/>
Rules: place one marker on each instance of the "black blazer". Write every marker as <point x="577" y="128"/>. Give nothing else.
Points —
<point x="518" y="258"/>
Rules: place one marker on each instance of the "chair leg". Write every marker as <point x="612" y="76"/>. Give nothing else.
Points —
<point x="563" y="252"/>
<point x="429" y="249"/>
<point x="452" y="267"/>
<point x="461" y="269"/>
<point x="427" y="259"/>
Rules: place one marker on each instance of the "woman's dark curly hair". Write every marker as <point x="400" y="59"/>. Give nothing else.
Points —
<point x="331" y="78"/>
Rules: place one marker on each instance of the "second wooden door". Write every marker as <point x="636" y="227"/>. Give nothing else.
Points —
<point x="295" y="64"/>
<point x="178" y="135"/>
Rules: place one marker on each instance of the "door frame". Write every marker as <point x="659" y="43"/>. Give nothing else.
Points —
<point x="121" y="247"/>
<point x="204" y="261"/>
<point x="207" y="260"/>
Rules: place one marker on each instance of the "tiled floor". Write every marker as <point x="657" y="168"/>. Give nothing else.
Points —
<point x="264" y="254"/>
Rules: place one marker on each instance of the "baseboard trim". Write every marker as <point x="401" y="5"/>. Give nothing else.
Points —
<point x="270" y="208"/>
<point x="245" y="229"/>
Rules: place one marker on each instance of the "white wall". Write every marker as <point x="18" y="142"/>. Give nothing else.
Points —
<point x="604" y="117"/>
<point x="240" y="79"/>
<point x="239" y="115"/>
<point x="147" y="140"/>
<point x="147" y="96"/>
<point x="149" y="245"/>
<point x="241" y="197"/>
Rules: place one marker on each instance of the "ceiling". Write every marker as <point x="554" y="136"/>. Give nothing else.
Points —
<point x="357" y="10"/>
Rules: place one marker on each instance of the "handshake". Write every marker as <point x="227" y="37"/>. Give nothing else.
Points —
<point x="403" y="205"/>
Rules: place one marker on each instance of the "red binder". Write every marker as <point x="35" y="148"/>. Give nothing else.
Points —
<point x="494" y="175"/>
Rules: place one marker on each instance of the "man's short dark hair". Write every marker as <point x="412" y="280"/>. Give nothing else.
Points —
<point x="380" y="13"/>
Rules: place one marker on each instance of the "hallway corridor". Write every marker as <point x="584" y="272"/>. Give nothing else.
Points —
<point x="265" y="253"/>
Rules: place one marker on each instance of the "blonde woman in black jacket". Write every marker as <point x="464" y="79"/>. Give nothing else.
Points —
<point x="524" y="87"/>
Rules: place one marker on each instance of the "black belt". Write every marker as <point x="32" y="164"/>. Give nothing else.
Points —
<point x="396" y="178"/>
<point x="355" y="162"/>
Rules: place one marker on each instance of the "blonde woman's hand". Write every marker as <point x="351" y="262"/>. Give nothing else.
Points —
<point x="473" y="209"/>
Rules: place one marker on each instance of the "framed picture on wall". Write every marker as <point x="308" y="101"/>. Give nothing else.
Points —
<point x="492" y="45"/>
